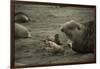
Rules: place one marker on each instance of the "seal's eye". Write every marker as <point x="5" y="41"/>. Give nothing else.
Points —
<point x="62" y="30"/>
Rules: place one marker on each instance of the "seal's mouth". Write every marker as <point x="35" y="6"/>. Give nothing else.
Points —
<point x="69" y="45"/>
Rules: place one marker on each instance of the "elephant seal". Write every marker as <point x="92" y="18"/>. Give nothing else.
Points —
<point x="82" y="36"/>
<point x="21" y="31"/>
<point x="21" y="17"/>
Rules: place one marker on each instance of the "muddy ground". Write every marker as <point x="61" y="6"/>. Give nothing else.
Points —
<point x="46" y="20"/>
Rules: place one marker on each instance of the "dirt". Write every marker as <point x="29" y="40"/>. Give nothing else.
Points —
<point x="46" y="20"/>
